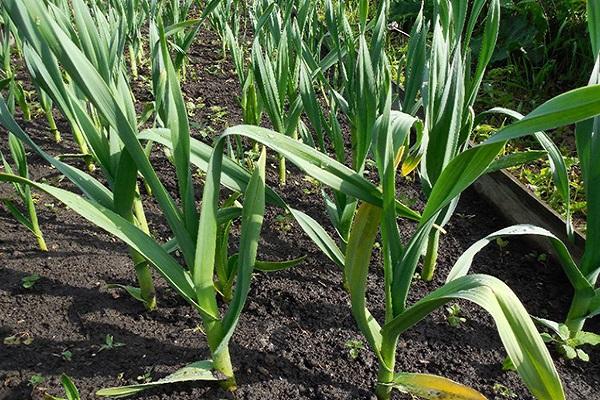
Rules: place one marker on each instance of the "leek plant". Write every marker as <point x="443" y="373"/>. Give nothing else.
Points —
<point x="182" y="29"/>
<point x="196" y="233"/>
<point x="583" y="275"/>
<point x="227" y="17"/>
<point x="16" y="90"/>
<point x="379" y="211"/>
<point x="29" y="218"/>
<point x="249" y="100"/>
<point x="135" y="13"/>
<point x="252" y="108"/>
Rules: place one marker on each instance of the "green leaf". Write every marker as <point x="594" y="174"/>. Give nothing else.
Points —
<point x="593" y="16"/>
<point x="70" y="388"/>
<point x="358" y="258"/>
<point x="236" y="178"/>
<point x="589" y="338"/>
<point x="133" y="291"/>
<point x="582" y="355"/>
<point x="434" y="387"/>
<point x="557" y="165"/>
<point x="517" y="331"/>
<point x="197" y="371"/>
<point x="135" y="238"/>
<point x="568" y="108"/>
<point x="272" y="266"/>
<point x="579" y="282"/>
<point x="319" y="166"/>
<point x="515" y="160"/>
<point x="252" y="219"/>
<point x="569" y="352"/>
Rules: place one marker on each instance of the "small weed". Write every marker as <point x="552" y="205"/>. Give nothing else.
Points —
<point x="503" y="392"/>
<point x="110" y="344"/>
<point x="508" y="365"/>
<point x="354" y="347"/>
<point x="454" y="316"/>
<point x="36" y="380"/>
<point x="66" y="355"/>
<point x="568" y="345"/>
<point x="218" y="115"/>
<point x="28" y="281"/>
<point x="146" y="376"/>
<point x="283" y="222"/>
<point x="24" y="338"/>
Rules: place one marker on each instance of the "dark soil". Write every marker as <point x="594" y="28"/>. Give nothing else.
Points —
<point x="292" y="339"/>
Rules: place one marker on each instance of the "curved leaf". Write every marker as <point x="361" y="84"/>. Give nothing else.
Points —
<point x="358" y="258"/>
<point x="128" y="233"/>
<point x="236" y="178"/>
<point x="252" y="219"/>
<point x="463" y="264"/>
<point x="519" y="335"/>
<point x="434" y="387"/>
<point x="197" y="371"/>
<point x="321" y="167"/>
<point x="558" y="167"/>
<point x="272" y="266"/>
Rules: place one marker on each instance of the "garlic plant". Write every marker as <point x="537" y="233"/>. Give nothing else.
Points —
<point x="582" y="274"/>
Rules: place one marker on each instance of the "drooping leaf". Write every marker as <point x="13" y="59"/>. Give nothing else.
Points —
<point x="197" y="371"/>
<point x="434" y="387"/>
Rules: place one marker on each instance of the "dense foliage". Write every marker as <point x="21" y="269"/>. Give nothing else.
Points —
<point x="320" y="73"/>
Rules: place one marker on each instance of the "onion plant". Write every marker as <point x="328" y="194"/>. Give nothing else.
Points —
<point x="582" y="274"/>
<point x="29" y="218"/>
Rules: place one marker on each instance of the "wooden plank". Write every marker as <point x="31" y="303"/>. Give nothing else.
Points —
<point x="520" y="206"/>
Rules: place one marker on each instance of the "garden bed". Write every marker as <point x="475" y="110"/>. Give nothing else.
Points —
<point x="295" y="337"/>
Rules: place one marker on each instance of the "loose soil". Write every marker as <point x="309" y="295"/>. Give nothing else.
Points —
<point x="292" y="339"/>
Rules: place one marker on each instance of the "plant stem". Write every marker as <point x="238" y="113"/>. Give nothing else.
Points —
<point x="282" y="172"/>
<point x="140" y="54"/>
<point x="52" y="126"/>
<point x="221" y="360"/>
<point x="144" y="278"/>
<point x="385" y="376"/>
<point x="35" y="223"/>
<point x="133" y="62"/>
<point x="578" y="312"/>
<point x="430" y="260"/>
<point x="80" y="140"/>
<point x="142" y="269"/>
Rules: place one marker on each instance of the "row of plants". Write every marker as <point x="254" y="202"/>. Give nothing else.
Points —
<point x="311" y="69"/>
<point x="535" y="55"/>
